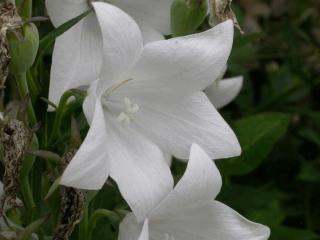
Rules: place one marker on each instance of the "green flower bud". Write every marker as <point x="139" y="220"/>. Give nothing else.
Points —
<point x="187" y="16"/>
<point x="23" y="49"/>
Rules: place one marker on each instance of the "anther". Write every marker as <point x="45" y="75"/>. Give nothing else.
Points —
<point x="128" y="115"/>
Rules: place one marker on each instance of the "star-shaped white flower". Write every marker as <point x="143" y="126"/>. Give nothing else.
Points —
<point x="189" y="211"/>
<point x="77" y="55"/>
<point x="149" y="99"/>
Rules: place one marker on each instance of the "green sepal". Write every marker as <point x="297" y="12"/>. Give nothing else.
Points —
<point x="23" y="49"/>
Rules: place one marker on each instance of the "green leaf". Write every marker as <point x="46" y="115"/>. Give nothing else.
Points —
<point x="48" y="155"/>
<point x="310" y="171"/>
<point x="264" y="198"/>
<point x="257" y="136"/>
<point x="310" y="135"/>
<point x="53" y="188"/>
<point x="32" y="228"/>
<point x="49" y="39"/>
<point x="187" y="16"/>
<point x="282" y="233"/>
<point x="46" y="41"/>
<point x="272" y="215"/>
<point x="113" y="217"/>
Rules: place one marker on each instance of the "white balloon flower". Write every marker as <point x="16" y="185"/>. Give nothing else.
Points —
<point x="189" y="211"/>
<point x="149" y="99"/>
<point x="77" y="56"/>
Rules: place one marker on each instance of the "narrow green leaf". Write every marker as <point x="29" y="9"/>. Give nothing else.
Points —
<point x="257" y="136"/>
<point x="29" y="160"/>
<point x="32" y="228"/>
<point x="53" y="188"/>
<point x="49" y="39"/>
<point x="48" y="155"/>
<point x="46" y="41"/>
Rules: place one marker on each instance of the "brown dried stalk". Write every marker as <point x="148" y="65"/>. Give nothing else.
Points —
<point x="72" y="205"/>
<point x="9" y="20"/>
<point x="15" y="138"/>
<point x="220" y="10"/>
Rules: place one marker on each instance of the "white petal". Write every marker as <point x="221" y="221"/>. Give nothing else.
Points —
<point x="60" y="11"/>
<point x="183" y="65"/>
<point x="199" y="185"/>
<point x="222" y="92"/>
<point x="89" y="102"/>
<point x="138" y="167"/>
<point x="90" y="166"/>
<point x="174" y="126"/>
<point x="149" y="34"/>
<point x="214" y="221"/>
<point x="122" y="43"/>
<point x="168" y="158"/>
<point x="154" y="12"/>
<point x="77" y="58"/>
<point x="129" y="228"/>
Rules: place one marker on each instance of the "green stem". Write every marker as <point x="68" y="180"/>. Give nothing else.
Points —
<point x="33" y="86"/>
<point x="113" y="217"/>
<point x="60" y="112"/>
<point x="21" y="80"/>
<point x="27" y="194"/>
<point x="25" y="181"/>
<point x="83" y="226"/>
<point x="26" y="9"/>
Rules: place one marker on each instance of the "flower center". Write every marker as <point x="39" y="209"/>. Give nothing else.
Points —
<point x="129" y="113"/>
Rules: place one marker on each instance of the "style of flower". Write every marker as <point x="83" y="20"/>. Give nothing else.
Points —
<point x="77" y="56"/>
<point x="189" y="211"/>
<point x="149" y="99"/>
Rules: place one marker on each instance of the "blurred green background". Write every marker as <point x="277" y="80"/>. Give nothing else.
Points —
<point x="279" y="57"/>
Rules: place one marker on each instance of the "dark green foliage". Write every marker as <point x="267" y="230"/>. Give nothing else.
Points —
<point x="257" y="134"/>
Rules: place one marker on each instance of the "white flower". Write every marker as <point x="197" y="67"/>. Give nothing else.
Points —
<point x="149" y="98"/>
<point x="223" y="91"/>
<point x="77" y="55"/>
<point x="189" y="211"/>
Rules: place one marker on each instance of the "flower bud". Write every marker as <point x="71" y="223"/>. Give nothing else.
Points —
<point x="187" y="16"/>
<point x="23" y="48"/>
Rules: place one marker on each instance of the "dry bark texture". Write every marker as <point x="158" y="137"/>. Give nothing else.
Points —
<point x="220" y="11"/>
<point x="72" y="205"/>
<point x="9" y="20"/>
<point x="16" y="139"/>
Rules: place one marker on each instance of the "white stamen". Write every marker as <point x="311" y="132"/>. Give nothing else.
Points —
<point x="128" y="115"/>
<point x="168" y="237"/>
